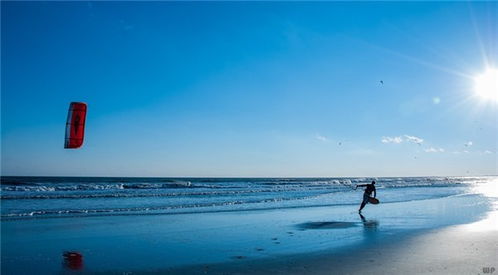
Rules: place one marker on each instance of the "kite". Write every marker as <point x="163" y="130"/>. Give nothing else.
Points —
<point x="75" y="125"/>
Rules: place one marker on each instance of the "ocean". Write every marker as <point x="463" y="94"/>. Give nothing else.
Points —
<point x="168" y="225"/>
<point x="41" y="197"/>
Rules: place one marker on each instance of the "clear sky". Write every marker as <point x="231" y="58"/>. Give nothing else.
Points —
<point x="249" y="89"/>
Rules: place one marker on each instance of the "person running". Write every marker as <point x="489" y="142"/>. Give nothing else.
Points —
<point x="367" y="194"/>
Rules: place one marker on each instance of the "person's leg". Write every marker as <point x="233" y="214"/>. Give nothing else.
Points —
<point x="364" y="202"/>
<point x="362" y="205"/>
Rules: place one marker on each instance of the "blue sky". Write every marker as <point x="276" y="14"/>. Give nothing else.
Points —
<point x="249" y="89"/>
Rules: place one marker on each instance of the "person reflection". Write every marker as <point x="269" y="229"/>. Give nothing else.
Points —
<point x="370" y="226"/>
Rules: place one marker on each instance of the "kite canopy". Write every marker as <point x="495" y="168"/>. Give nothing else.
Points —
<point x="75" y="125"/>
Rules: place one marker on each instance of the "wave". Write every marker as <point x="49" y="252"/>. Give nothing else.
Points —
<point x="283" y="185"/>
<point x="143" y="209"/>
<point x="308" y="183"/>
<point x="96" y="186"/>
<point x="194" y="208"/>
<point x="143" y="195"/>
<point x="185" y="184"/>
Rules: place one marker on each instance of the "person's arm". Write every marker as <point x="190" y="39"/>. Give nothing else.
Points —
<point x="375" y="193"/>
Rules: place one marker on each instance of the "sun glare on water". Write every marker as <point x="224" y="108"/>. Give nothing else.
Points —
<point x="489" y="190"/>
<point x="486" y="85"/>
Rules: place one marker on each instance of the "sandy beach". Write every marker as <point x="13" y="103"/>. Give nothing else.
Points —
<point x="451" y="250"/>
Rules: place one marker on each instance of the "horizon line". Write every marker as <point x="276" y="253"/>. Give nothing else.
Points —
<point x="245" y="177"/>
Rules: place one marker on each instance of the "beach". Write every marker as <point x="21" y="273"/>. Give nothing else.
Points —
<point x="452" y="250"/>
<point x="446" y="234"/>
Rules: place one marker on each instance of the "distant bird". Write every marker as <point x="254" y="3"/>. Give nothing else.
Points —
<point x="382" y="82"/>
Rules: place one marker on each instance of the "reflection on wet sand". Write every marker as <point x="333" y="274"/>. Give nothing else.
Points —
<point x="326" y="225"/>
<point x="370" y="225"/>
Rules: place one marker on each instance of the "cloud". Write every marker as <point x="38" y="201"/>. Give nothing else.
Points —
<point x="400" y="139"/>
<point x="321" y="138"/>
<point x="414" y="139"/>
<point x="434" y="150"/>
<point x="487" y="152"/>
<point x="392" y="139"/>
<point x="436" y="100"/>
<point x="468" y="144"/>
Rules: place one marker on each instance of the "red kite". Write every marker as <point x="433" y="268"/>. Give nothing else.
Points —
<point x="75" y="125"/>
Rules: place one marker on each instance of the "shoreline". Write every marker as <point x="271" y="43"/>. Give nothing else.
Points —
<point x="143" y="214"/>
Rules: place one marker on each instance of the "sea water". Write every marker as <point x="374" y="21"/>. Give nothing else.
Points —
<point x="157" y="224"/>
<point x="32" y="197"/>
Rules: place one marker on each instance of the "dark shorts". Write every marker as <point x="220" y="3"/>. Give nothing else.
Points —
<point x="365" y="198"/>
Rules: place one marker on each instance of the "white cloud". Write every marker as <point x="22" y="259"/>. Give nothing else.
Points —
<point x="400" y="139"/>
<point x="321" y="138"/>
<point x="468" y="144"/>
<point x="487" y="152"/>
<point x="392" y="139"/>
<point x="434" y="150"/>
<point x="414" y="139"/>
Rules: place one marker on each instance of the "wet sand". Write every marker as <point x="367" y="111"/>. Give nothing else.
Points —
<point x="451" y="250"/>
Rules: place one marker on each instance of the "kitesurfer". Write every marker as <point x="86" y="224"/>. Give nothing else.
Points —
<point x="367" y="194"/>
